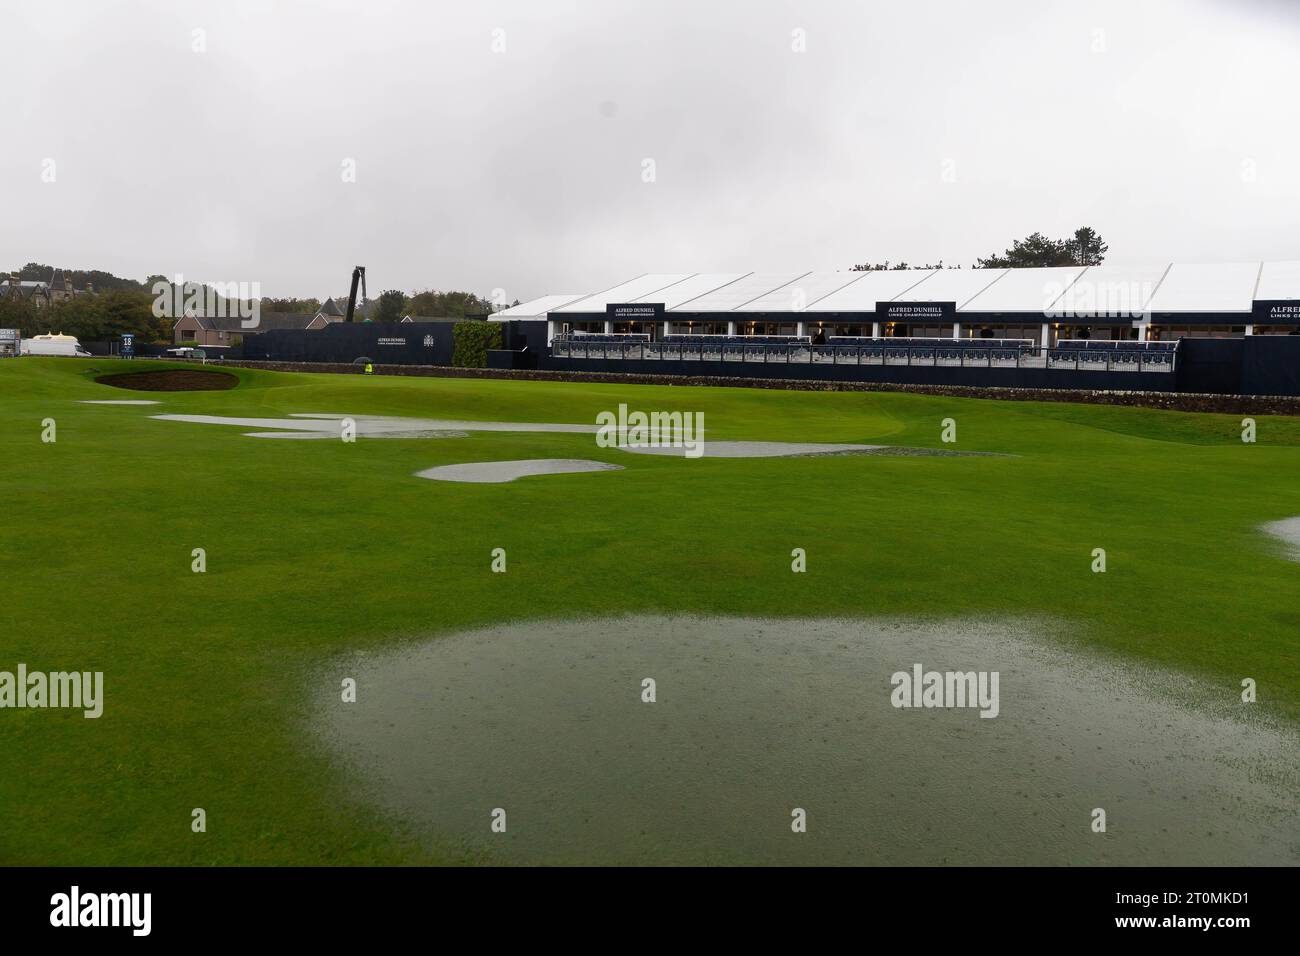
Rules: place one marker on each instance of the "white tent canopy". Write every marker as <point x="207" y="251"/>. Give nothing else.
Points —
<point x="1279" y="280"/>
<point x="1066" y="290"/>
<point x="1223" y="287"/>
<point x="641" y="288"/>
<point x="536" y="308"/>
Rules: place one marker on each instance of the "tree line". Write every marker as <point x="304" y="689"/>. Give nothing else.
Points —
<point x="95" y="317"/>
<point x="119" y="306"/>
<point x="1084" y="248"/>
<point x="393" y="305"/>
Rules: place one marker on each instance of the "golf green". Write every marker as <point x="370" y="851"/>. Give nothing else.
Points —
<point x="328" y="550"/>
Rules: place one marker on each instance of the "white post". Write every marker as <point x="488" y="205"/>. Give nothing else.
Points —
<point x="609" y="327"/>
<point x="1142" y="330"/>
<point x="956" y="330"/>
<point x="731" y="327"/>
<point x="1250" y="329"/>
<point x="550" y="330"/>
<point x="1047" y="331"/>
<point x="799" y="328"/>
<point x="666" y="332"/>
<point x="875" y="330"/>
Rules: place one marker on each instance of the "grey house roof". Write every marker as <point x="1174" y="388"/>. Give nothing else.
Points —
<point x="25" y="288"/>
<point x="267" y="321"/>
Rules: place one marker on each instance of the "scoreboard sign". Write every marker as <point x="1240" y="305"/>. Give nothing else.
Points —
<point x="128" y="345"/>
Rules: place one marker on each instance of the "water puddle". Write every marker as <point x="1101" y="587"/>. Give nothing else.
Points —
<point x="755" y="449"/>
<point x="118" y="401"/>
<point x="316" y="425"/>
<point x="755" y="718"/>
<point x="501" y="471"/>
<point x="1286" y="531"/>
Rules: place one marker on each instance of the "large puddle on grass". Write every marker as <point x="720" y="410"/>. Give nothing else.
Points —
<point x="755" y="718"/>
<point x="1287" y="531"/>
<point x="320" y="425"/>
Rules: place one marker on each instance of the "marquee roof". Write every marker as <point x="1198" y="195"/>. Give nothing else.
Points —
<point x="800" y="293"/>
<point x="1279" y="280"/>
<point x="733" y="295"/>
<point x="952" y="285"/>
<point x="1222" y="287"/>
<point x="642" y="287"/>
<point x="692" y="288"/>
<point x="536" y="308"/>
<point x="1016" y="288"/>
<point x="1164" y="288"/>
<point x="874" y="287"/>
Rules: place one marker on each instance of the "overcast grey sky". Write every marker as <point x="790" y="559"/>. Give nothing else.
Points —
<point x="903" y="130"/>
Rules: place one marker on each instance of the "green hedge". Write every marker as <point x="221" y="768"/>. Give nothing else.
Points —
<point x="472" y="341"/>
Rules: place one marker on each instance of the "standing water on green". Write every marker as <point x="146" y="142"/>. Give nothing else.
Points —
<point x="787" y="742"/>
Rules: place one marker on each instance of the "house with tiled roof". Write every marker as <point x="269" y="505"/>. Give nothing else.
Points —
<point x="42" y="292"/>
<point x="32" y="290"/>
<point x="331" y="310"/>
<point x="194" y="329"/>
<point x="228" y="330"/>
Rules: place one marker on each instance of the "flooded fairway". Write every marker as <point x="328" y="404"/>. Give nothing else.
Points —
<point x="753" y="719"/>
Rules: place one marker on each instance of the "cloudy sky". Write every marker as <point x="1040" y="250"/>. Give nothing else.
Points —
<point x="542" y="146"/>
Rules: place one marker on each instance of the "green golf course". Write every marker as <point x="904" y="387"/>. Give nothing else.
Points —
<point x="328" y="551"/>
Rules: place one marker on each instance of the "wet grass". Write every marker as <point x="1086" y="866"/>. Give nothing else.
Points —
<point x="316" y="548"/>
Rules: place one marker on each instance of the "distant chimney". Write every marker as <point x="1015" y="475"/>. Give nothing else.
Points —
<point x="13" y="280"/>
<point x="67" y="284"/>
